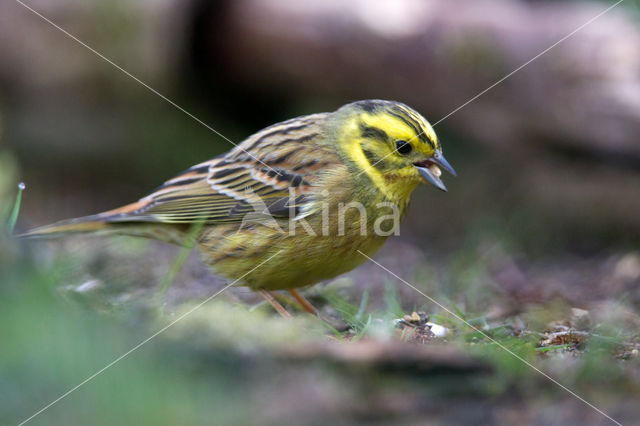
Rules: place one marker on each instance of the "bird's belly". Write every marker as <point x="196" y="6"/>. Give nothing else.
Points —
<point x="274" y="261"/>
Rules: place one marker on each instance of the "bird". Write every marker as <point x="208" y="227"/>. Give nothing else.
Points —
<point x="297" y="203"/>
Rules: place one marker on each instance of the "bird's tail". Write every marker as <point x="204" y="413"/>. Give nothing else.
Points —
<point x="121" y="221"/>
<point x="66" y="227"/>
<point x="110" y="221"/>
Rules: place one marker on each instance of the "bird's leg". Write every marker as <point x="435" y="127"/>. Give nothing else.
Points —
<point x="273" y="302"/>
<point x="303" y="302"/>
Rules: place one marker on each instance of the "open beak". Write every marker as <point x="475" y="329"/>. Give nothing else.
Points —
<point x="430" y="170"/>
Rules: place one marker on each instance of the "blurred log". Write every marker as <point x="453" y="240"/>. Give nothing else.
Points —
<point x="433" y="54"/>
<point x="75" y="122"/>
<point x="145" y="37"/>
<point x="436" y="55"/>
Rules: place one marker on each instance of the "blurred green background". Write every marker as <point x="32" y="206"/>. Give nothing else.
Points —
<point x="544" y="215"/>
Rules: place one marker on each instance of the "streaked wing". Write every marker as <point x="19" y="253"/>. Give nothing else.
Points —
<point x="267" y="171"/>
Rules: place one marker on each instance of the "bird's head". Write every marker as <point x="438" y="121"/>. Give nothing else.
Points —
<point x="392" y="144"/>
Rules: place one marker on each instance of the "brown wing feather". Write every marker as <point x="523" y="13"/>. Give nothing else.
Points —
<point x="280" y="162"/>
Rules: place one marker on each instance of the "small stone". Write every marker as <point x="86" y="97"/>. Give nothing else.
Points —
<point x="437" y="329"/>
<point x="88" y="286"/>
<point x="628" y="268"/>
<point x="580" y="319"/>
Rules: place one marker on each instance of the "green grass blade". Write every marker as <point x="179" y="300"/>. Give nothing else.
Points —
<point x="181" y="258"/>
<point x="392" y="301"/>
<point x="553" y="348"/>
<point x="364" y="302"/>
<point x="15" y="211"/>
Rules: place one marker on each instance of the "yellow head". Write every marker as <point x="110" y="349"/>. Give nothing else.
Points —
<point x="391" y="144"/>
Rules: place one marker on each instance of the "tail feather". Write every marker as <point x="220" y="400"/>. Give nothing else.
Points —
<point x="121" y="221"/>
<point x="66" y="227"/>
<point x="94" y="223"/>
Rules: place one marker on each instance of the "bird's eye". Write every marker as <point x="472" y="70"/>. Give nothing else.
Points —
<point x="403" y="147"/>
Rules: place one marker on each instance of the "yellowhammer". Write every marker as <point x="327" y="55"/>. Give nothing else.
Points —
<point x="300" y="198"/>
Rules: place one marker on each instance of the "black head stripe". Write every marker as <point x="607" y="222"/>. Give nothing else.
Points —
<point x="413" y="123"/>
<point x="371" y="105"/>
<point x="371" y="132"/>
<point x="375" y="161"/>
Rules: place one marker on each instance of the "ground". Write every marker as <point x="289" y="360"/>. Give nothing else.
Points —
<point x="383" y="353"/>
